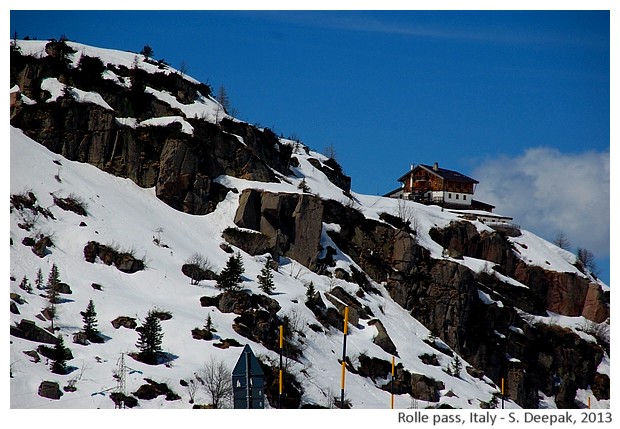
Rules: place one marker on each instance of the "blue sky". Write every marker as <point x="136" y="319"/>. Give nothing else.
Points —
<point x="519" y="100"/>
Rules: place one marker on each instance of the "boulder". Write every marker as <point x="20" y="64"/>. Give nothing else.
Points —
<point x="426" y="388"/>
<point x="29" y="330"/>
<point x="123" y="261"/>
<point x="125" y="322"/>
<point x="382" y="339"/>
<point x="50" y="390"/>
<point x="81" y="338"/>
<point x="40" y="247"/>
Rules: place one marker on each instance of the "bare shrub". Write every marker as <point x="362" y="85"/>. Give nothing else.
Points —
<point x="216" y="381"/>
<point x="197" y="267"/>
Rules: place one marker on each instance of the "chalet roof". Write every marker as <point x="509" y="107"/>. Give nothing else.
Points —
<point x="443" y="173"/>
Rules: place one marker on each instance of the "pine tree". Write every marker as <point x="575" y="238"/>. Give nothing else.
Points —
<point x="25" y="285"/>
<point x="53" y="280"/>
<point x="230" y="277"/>
<point x="38" y="283"/>
<point x="150" y="339"/>
<point x="310" y="291"/>
<point x="147" y="51"/>
<point x="89" y="317"/>
<point x="303" y="186"/>
<point x="455" y="367"/>
<point x="209" y="324"/>
<point x="265" y="278"/>
<point x="59" y="359"/>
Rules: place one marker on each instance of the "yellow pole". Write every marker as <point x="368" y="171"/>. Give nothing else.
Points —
<point x="344" y="354"/>
<point x="502" y="393"/>
<point x="280" y="375"/>
<point x="392" y="401"/>
<point x="281" y="336"/>
<point x="588" y="402"/>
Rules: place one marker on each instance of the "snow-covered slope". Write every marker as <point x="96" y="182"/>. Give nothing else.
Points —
<point x="123" y="215"/>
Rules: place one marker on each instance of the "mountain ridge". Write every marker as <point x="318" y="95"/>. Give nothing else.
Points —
<point x="198" y="175"/>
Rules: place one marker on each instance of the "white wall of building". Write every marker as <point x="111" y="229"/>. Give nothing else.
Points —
<point x="453" y="197"/>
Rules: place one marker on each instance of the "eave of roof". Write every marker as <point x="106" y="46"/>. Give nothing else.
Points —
<point x="443" y="173"/>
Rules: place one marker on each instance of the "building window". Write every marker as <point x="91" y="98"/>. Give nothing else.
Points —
<point x="449" y="195"/>
<point x="464" y="197"/>
<point x="457" y="196"/>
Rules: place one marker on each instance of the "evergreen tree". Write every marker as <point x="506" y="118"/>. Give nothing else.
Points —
<point x="455" y="366"/>
<point x="89" y="317"/>
<point x="303" y="185"/>
<point x="25" y="285"/>
<point x="53" y="280"/>
<point x="38" y="282"/>
<point x="230" y="277"/>
<point x="59" y="359"/>
<point x="147" y="51"/>
<point x="209" y="324"/>
<point x="265" y="278"/>
<point x="310" y="291"/>
<point x="150" y="339"/>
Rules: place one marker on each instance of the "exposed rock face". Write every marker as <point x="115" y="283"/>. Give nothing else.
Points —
<point x="563" y="293"/>
<point x="291" y="223"/>
<point x="596" y="304"/>
<point x="444" y="302"/>
<point x="180" y="166"/>
<point x="379" y="249"/>
<point x="444" y="296"/>
<point x="30" y="331"/>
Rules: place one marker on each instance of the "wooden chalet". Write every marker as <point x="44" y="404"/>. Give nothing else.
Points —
<point x="435" y="185"/>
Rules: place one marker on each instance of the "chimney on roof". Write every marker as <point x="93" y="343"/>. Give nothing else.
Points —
<point x="412" y="166"/>
<point x="436" y="166"/>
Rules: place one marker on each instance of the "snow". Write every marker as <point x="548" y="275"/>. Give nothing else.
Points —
<point x="57" y="89"/>
<point x="163" y="121"/>
<point x="516" y="330"/>
<point x="127" y="122"/>
<point x="54" y="87"/>
<point x="36" y="48"/>
<point x="89" y="97"/>
<point x="203" y="108"/>
<point x="121" y="213"/>
<point x="486" y="298"/>
<point x="537" y="251"/>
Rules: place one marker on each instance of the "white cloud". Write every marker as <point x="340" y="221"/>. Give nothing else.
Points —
<point x="547" y="191"/>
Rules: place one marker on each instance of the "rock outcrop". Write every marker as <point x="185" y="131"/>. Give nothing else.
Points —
<point x="564" y="293"/>
<point x="445" y="296"/>
<point x="290" y="223"/>
<point x="29" y="330"/>
<point x="180" y="166"/>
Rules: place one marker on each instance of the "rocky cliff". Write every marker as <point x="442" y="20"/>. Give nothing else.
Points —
<point x="498" y="319"/>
